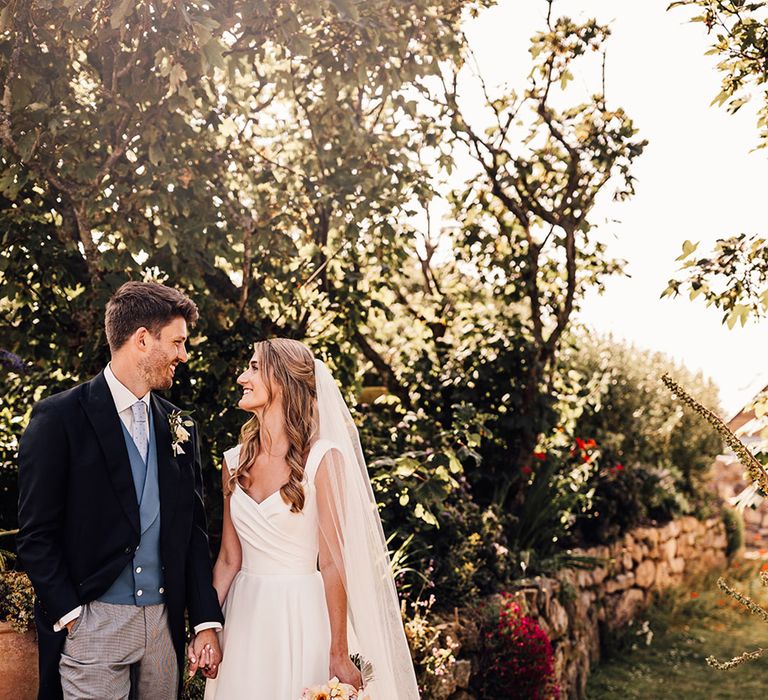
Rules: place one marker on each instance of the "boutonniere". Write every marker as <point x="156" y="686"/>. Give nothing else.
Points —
<point x="177" y="420"/>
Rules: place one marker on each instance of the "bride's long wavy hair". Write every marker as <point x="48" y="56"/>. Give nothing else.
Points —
<point x="286" y="365"/>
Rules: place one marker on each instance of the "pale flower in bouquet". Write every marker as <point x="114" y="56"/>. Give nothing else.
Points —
<point x="333" y="689"/>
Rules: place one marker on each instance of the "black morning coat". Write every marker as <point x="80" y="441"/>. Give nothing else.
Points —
<point x="79" y="517"/>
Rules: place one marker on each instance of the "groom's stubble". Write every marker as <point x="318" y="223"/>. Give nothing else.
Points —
<point x="158" y="366"/>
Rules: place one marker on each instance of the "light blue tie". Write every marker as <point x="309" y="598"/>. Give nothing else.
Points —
<point x="140" y="432"/>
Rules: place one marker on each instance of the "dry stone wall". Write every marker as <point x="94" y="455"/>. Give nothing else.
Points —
<point x="578" y="607"/>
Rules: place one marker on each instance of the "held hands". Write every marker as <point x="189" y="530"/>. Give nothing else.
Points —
<point x="342" y="668"/>
<point x="69" y="625"/>
<point x="204" y="653"/>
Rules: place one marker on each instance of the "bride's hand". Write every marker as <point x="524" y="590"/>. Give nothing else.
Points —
<point x="343" y="669"/>
<point x="193" y="660"/>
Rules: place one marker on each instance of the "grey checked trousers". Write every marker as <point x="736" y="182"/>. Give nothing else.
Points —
<point x="115" y="652"/>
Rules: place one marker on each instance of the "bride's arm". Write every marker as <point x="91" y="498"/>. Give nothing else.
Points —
<point x="230" y="555"/>
<point x="331" y="567"/>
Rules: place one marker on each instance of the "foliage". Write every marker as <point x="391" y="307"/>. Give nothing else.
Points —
<point x="654" y="454"/>
<point x="734" y="531"/>
<point x="555" y="495"/>
<point x="476" y="335"/>
<point x="17" y="600"/>
<point x="629" y="496"/>
<point x="739" y="32"/>
<point x="443" y="540"/>
<point x="516" y="659"/>
<point x="755" y="609"/>
<point x="194" y="687"/>
<point x="733" y="277"/>
<point x="250" y="154"/>
<point x="432" y="649"/>
<point x="689" y="623"/>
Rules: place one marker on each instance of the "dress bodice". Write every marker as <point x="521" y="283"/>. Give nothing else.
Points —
<point x="273" y="539"/>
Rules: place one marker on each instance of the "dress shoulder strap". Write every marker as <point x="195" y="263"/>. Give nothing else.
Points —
<point x="316" y="454"/>
<point x="232" y="458"/>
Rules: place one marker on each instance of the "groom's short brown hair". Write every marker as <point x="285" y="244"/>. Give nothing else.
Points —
<point x="144" y="304"/>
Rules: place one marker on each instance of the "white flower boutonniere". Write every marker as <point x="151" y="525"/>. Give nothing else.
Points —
<point x="177" y="420"/>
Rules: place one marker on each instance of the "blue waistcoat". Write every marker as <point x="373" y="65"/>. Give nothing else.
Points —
<point x="141" y="582"/>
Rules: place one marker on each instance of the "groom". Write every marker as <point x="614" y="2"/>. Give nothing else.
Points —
<point x="112" y="529"/>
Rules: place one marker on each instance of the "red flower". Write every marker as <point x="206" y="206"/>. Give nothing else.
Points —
<point x="581" y="444"/>
<point x="591" y="443"/>
<point x="540" y="455"/>
<point x="526" y="470"/>
<point x="617" y="468"/>
<point x="694" y="594"/>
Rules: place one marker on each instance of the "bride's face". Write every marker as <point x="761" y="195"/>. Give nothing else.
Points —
<point x="255" y="392"/>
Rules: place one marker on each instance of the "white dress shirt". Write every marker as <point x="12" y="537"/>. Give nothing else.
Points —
<point x="124" y="398"/>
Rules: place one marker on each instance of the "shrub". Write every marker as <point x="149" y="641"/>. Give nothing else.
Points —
<point x="635" y="418"/>
<point x="455" y="548"/>
<point x="628" y="496"/>
<point x="17" y="600"/>
<point x="431" y="648"/>
<point x="516" y="659"/>
<point x="555" y="495"/>
<point x="734" y="530"/>
<point x="654" y="454"/>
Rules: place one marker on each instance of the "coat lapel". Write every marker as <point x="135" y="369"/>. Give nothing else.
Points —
<point x="167" y="467"/>
<point x="100" y="409"/>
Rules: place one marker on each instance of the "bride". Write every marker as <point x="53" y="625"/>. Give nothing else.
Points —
<point x="303" y="572"/>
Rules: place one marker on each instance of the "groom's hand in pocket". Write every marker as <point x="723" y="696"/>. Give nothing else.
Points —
<point x="205" y="647"/>
<point x="69" y="625"/>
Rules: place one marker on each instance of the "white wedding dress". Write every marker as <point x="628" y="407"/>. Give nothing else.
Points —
<point x="276" y="637"/>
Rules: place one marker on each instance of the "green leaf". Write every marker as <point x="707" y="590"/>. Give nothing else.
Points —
<point x="5" y="17"/>
<point x="213" y="52"/>
<point x="121" y="13"/>
<point x="688" y="248"/>
<point x="347" y="9"/>
<point x="156" y="154"/>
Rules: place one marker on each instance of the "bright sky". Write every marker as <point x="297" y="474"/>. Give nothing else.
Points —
<point x="697" y="179"/>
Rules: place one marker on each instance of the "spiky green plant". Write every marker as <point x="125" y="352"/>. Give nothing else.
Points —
<point x="755" y="609"/>
<point x="757" y="473"/>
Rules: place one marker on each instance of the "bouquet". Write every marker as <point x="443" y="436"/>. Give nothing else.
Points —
<point x="333" y="689"/>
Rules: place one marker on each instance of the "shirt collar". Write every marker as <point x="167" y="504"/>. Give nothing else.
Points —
<point x="122" y="395"/>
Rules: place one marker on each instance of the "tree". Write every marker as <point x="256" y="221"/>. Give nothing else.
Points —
<point x="734" y="275"/>
<point x="248" y="153"/>
<point x="483" y="333"/>
<point x="740" y="39"/>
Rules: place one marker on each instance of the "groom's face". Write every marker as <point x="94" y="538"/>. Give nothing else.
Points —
<point x="164" y="353"/>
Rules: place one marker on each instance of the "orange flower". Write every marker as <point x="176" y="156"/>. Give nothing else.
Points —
<point x="694" y="594"/>
<point x="764" y="567"/>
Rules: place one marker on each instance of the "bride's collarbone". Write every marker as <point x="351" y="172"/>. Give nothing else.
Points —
<point x="264" y="478"/>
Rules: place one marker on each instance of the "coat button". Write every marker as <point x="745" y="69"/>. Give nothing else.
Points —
<point x="128" y="550"/>
<point x="139" y="592"/>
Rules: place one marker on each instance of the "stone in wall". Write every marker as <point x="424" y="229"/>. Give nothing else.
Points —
<point x="645" y="574"/>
